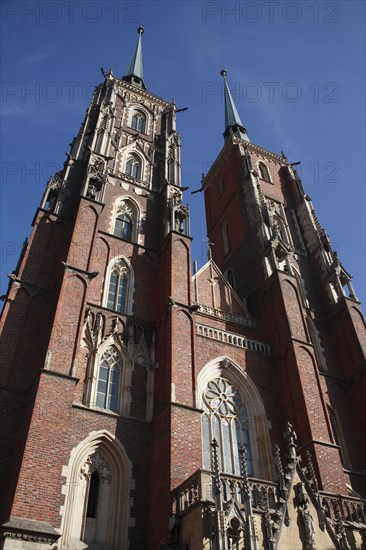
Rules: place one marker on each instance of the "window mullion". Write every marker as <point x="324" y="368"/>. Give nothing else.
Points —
<point x="232" y="458"/>
<point x="117" y="292"/>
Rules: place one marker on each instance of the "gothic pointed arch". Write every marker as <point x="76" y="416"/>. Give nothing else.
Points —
<point x="138" y="120"/>
<point x="119" y="285"/>
<point x="264" y="172"/>
<point x="225" y="237"/>
<point x="133" y="165"/>
<point x="318" y="348"/>
<point x="301" y="286"/>
<point x="234" y="412"/>
<point x="125" y="218"/>
<point x="109" y="377"/>
<point x="338" y="436"/>
<point x="97" y="464"/>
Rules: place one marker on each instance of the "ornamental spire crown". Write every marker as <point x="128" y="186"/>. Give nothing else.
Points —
<point x="233" y="124"/>
<point x="135" y="72"/>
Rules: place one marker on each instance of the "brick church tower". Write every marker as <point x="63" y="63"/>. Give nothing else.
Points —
<point x="149" y="408"/>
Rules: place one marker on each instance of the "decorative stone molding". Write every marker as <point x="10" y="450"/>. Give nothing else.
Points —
<point x="28" y="530"/>
<point x="232" y="339"/>
<point x="221" y="314"/>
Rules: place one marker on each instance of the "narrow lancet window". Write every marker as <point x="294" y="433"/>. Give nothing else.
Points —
<point x="123" y="227"/>
<point x="117" y="290"/>
<point x="133" y="167"/>
<point x="264" y="174"/>
<point x="225" y="237"/>
<point x="108" y="379"/>
<point x="138" y="121"/>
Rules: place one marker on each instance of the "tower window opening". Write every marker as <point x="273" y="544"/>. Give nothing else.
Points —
<point x="133" y="167"/>
<point x="338" y="436"/>
<point x="225" y="237"/>
<point x="138" y="121"/>
<point x="264" y="172"/>
<point x="117" y="291"/>
<point x="108" y="380"/>
<point x="92" y="506"/>
<point x="123" y="227"/>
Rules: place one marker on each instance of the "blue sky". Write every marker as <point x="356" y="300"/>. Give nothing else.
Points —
<point x="296" y="70"/>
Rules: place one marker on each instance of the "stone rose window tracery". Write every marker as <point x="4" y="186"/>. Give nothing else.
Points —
<point x="225" y="418"/>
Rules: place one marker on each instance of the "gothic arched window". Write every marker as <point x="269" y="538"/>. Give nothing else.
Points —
<point x="225" y="237"/>
<point x="315" y="340"/>
<point x="117" y="289"/>
<point x="108" y="379"/>
<point x="225" y="418"/>
<point x="133" y="166"/>
<point x="125" y="219"/>
<point x="264" y="174"/>
<point x="138" y="121"/>
<point x="338" y="436"/>
<point x="123" y="226"/>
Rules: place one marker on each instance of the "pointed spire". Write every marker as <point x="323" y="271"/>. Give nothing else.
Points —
<point x="233" y="124"/>
<point x="135" y="72"/>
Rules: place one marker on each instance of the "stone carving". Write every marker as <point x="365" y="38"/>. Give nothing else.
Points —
<point x="86" y="469"/>
<point x="116" y="138"/>
<point x="178" y="212"/>
<point x="125" y="208"/>
<point x="93" y="328"/>
<point x="94" y="189"/>
<point x="222" y="314"/>
<point x="54" y="186"/>
<point x="101" y="466"/>
<point x="96" y="168"/>
<point x="93" y="463"/>
<point x="40" y="539"/>
<point x="309" y="529"/>
<point x="97" y="179"/>
<point x="291" y="439"/>
<point x="302" y="497"/>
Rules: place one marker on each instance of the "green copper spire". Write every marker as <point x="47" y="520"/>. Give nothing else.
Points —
<point x="135" y="72"/>
<point x="232" y="118"/>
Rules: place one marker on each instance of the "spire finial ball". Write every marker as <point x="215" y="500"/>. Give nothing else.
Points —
<point x="223" y="72"/>
<point x="141" y="30"/>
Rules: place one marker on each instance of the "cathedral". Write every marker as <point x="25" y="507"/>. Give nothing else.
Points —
<point x="148" y="404"/>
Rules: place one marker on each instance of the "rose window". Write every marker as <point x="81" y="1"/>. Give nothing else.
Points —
<point x="223" y="398"/>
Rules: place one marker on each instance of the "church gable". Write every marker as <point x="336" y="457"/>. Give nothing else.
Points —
<point x="214" y="296"/>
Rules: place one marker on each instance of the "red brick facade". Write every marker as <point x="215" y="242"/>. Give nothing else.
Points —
<point x="285" y="333"/>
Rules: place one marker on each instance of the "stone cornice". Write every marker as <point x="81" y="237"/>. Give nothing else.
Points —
<point x="24" y="529"/>
<point x="144" y="93"/>
<point x="263" y="151"/>
<point x="227" y="147"/>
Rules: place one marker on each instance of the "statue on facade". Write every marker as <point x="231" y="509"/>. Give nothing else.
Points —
<point x="309" y="529"/>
